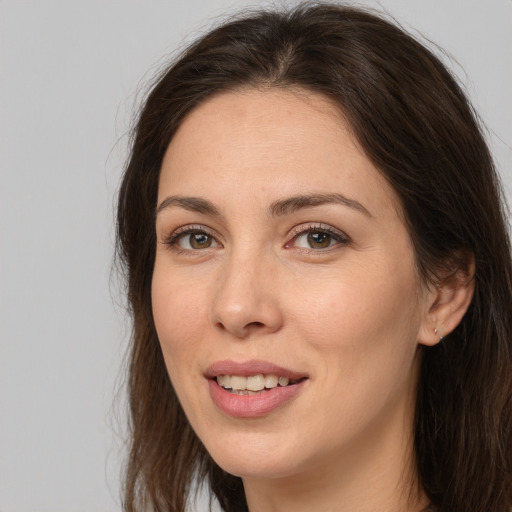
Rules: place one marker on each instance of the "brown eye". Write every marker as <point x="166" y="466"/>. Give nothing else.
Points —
<point x="319" y="240"/>
<point x="192" y="240"/>
<point x="199" y="241"/>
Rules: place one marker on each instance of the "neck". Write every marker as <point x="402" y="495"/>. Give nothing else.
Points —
<point x="377" y="472"/>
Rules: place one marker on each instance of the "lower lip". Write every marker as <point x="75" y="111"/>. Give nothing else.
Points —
<point x="253" y="406"/>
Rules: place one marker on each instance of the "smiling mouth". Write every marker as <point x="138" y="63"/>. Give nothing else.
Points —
<point x="253" y="384"/>
<point x="254" y="388"/>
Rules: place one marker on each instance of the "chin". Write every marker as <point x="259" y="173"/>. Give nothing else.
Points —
<point x="250" y="468"/>
<point x="255" y="456"/>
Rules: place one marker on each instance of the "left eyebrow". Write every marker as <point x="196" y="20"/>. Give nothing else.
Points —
<point x="292" y="204"/>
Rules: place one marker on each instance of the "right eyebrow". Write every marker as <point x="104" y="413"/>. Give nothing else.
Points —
<point x="193" y="204"/>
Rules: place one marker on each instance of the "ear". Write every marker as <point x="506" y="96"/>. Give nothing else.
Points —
<point x="448" y="302"/>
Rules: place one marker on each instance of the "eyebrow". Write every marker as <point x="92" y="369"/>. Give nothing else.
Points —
<point x="193" y="204"/>
<point x="276" y="209"/>
<point x="292" y="204"/>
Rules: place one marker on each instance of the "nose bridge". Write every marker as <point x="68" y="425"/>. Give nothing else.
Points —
<point x="245" y="299"/>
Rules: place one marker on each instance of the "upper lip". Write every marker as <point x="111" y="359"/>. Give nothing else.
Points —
<point x="252" y="367"/>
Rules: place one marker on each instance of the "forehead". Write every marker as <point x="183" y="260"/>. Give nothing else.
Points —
<point x="281" y="142"/>
<point x="273" y="119"/>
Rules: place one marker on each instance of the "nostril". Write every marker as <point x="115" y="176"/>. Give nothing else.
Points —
<point x="242" y="330"/>
<point x="255" y="325"/>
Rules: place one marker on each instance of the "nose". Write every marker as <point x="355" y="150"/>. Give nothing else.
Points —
<point x="246" y="300"/>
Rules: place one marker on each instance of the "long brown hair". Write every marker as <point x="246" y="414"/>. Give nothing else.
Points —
<point x="416" y="125"/>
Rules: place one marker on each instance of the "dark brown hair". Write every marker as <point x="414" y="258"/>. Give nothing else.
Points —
<point x="415" y="124"/>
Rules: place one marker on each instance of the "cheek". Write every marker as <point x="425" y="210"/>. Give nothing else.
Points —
<point x="363" y="330"/>
<point x="363" y="335"/>
<point x="178" y="312"/>
<point x="366" y="304"/>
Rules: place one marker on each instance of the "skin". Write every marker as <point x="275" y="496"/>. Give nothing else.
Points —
<point x="350" y="312"/>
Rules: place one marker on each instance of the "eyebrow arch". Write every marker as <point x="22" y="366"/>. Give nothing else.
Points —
<point x="292" y="204"/>
<point x="193" y="204"/>
<point x="276" y="209"/>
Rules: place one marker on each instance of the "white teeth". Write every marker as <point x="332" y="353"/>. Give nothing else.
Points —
<point x="271" y="381"/>
<point x="256" y="382"/>
<point x="238" y="382"/>
<point x="224" y="381"/>
<point x="253" y="384"/>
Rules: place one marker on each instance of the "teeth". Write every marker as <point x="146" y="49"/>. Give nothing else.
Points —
<point x="256" y="382"/>
<point x="224" y="381"/>
<point x="271" y="381"/>
<point x="283" y="381"/>
<point x="253" y="384"/>
<point x="238" y="382"/>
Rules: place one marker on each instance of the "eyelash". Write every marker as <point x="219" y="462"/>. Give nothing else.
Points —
<point x="173" y="239"/>
<point x="337" y="237"/>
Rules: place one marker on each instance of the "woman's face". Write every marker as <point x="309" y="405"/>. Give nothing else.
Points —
<point x="282" y="254"/>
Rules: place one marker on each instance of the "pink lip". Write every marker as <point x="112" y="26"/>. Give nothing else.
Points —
<point x="252" y="406"/>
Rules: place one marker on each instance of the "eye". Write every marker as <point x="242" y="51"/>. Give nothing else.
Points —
<point x="196" y="241"/>
<point x="192" y="239"/>
<point x="317" y="238"/>
<point x="314" y="240"/>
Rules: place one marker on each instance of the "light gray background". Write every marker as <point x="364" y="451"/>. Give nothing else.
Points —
<point x="69" y="71"/>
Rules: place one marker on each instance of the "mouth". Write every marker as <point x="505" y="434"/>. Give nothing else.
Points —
<point x="254" y="384"/>
<point x="254" y="388"/>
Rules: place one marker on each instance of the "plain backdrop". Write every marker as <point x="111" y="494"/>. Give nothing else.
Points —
<point x="69" y="75"/>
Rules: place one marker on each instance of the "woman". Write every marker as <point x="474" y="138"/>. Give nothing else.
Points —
<point x="320" y="276"/>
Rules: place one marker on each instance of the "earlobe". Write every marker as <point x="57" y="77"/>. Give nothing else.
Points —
<point x="448" y="304"/>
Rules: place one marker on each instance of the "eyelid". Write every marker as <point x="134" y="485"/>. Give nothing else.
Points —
<point x="304" y="229"/>
<point x="339" y="236"/>
<point x="188" y="229"/>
